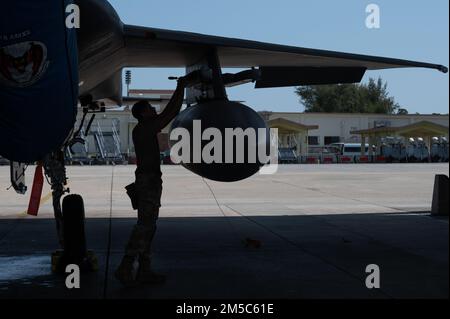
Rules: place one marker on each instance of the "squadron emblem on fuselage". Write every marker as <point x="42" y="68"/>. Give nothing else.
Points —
<point x="22" y="64"/>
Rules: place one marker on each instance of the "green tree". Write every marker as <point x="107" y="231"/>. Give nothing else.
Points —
<point x="372" y="97"/>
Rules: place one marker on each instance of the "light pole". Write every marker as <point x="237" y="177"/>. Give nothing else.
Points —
<point x="128" y="81"/>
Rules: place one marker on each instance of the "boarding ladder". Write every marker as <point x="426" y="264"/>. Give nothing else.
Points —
<point x="100" y="141"/>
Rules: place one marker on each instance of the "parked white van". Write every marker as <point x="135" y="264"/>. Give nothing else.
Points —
<point x="350" y="149"/>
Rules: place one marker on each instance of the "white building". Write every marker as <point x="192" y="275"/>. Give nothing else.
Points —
<point x="337" y="127"/>
<point x="298" y="130"/>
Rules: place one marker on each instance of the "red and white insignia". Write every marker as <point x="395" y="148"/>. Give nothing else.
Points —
<point x="22" y="64"/>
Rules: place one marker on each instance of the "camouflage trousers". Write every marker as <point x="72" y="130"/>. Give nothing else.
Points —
<point x="149" y="201"/>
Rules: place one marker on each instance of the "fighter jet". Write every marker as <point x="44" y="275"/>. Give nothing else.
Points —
<point x="48" y="71"/>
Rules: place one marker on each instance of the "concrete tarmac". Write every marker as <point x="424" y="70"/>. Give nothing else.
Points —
<point x="319" y="227"/>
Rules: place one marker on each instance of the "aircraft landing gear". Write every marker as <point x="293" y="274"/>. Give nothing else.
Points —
<point x="69" y="220"/>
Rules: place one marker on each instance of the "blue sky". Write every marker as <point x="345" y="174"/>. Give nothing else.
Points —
<point x="410" y="29"/>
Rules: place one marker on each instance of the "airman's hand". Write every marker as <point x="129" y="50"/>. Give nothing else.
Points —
<point x="190" y="79"/>
<point x="182" y="81"/>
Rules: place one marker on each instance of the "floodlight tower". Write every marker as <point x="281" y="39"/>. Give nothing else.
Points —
<point x="128" y="81"/>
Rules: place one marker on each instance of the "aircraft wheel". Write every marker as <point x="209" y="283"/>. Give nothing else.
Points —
<point x="75" y="251"/>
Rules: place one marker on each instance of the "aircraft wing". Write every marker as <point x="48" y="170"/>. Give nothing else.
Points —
<point x="283" y="65"/>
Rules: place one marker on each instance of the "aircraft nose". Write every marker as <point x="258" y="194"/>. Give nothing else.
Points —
<point x="28" y="137"/>
<point x="27" y="151"/>
<point x="38" y="79"/>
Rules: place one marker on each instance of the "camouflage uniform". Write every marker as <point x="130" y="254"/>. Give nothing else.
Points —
<point x="148" y="187"/>
<point x="149" y="201"/>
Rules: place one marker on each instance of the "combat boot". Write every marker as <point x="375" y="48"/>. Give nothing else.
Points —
<point x="145" y="275"/>
<point x="125" y="272"/>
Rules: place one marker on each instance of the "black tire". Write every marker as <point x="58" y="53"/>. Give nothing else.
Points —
<point x="75" y="250"/>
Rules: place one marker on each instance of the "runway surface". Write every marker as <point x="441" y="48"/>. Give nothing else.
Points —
<point x="319" y="227"/>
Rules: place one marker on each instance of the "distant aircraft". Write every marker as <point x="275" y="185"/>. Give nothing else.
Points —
<point x="47" y="70"/>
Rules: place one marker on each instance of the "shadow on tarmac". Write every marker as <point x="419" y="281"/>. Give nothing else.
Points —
<point x="320" y="256"/>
